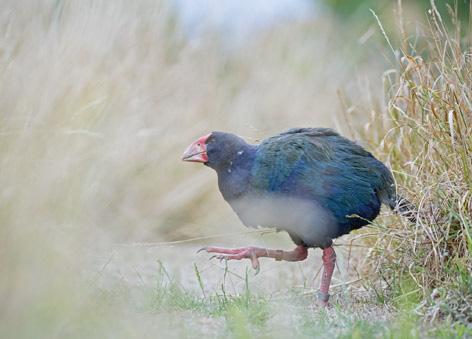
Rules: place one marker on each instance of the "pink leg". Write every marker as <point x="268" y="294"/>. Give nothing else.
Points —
<point x="298" y="254"/>
<point x="329" y="260"/>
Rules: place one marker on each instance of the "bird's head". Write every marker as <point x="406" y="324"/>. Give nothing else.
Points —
<point x="215" y="150"/>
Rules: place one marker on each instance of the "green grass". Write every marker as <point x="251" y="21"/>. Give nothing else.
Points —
<point x="239" y="311"/>
<point x="250" y="315"/>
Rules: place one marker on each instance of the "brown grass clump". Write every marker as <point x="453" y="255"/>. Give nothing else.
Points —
<point x="427" y="124"/>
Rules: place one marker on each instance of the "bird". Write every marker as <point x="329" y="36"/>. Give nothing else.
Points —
<point x="312" y="183"/>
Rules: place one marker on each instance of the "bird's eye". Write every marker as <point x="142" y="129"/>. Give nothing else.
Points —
<point x="198" y="144"/>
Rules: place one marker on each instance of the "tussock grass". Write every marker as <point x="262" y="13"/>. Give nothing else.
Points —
<point x="426" y="137"/>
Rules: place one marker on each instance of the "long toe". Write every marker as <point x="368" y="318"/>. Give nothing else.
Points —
<point x="223" y="250"/>
<point x="235" y="254"/>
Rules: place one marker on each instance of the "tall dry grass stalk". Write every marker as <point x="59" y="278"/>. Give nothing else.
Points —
<point x="427" y="124"/>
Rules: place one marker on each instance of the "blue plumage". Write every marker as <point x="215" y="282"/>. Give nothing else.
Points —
<point x="311" y="182"/>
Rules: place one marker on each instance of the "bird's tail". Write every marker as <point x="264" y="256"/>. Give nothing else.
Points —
<point x="404" y="208"/>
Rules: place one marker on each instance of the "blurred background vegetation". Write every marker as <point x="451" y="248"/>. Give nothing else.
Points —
<point x="98" y="100"/>
<point x="360" y="8"/>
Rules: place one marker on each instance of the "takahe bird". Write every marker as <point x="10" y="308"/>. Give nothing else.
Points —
<point x="311" y="182"/>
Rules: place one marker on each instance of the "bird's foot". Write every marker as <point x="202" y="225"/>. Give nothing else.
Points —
<point x="253" y="253"/>
<point x="323" y="300"/>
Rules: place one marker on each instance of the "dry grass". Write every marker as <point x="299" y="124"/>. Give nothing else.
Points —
<point x="426" y="135"/>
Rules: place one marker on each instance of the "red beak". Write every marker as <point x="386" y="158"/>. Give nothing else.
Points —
<point x="197" y="151"/>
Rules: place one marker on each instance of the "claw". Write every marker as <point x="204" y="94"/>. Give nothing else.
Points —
<point x="202" y="249"/>
<point x="219" y="257"/>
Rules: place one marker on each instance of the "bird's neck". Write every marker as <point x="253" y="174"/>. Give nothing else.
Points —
<point x="234" y="174"/>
